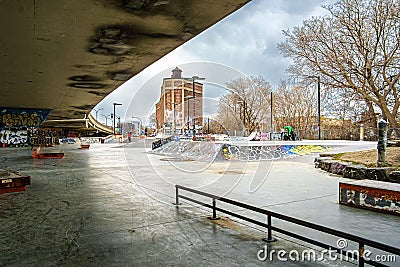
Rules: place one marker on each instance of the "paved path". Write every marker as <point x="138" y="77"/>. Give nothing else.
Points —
<point x="111" y="206"/>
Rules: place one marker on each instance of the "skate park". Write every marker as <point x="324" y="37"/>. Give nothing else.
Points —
<point x="78" y="192"/>
<point x="114" y="204"/>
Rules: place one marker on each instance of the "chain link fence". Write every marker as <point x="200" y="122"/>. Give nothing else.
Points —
<point x="370" y="134"/>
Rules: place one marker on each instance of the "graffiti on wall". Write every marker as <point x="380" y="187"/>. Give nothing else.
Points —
<point x="211" y="151"/>
<point x="256" y="153"/>
<point x="372" y="198"/>
<point x="16" y="125"/>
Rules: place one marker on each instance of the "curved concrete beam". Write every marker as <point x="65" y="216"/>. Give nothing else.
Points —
<point x="99" y="126"/>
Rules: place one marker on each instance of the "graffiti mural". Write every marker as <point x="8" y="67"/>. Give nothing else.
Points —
<point x="210" y="150"/>
<point x="14" y="135"/>
<point x="257" y="153"/>
<point x="363" y="196"/>
<point x="201" y="151"/>
<point x="45" y="137"/>
<point x="16" y="125"/>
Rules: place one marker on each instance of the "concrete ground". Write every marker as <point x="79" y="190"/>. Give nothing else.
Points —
<point x="111" y="206"/>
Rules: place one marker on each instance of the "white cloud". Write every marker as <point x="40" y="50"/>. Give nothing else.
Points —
<point x="246" y="40"/>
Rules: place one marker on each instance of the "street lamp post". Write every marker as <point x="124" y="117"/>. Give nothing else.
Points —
<point x="318" y="103"/>
<point x="97" y="110"/>
<point x="174" y="128"/>
<point x="119" y="124"/>
<point x="105" y="116"/>
<point x="271" y="114"/>
<point x="194" y="78"/>
<point x="115" y="104"/>
<point x="188" y="115"/>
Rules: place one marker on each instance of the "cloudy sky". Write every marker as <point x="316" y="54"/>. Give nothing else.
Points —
<point x="245" y="43"/>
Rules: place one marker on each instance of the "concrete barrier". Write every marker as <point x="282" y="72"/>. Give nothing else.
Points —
<point x="375" y="195"/>
<point x="356" y="171"/>
<point x="12" y="181"/>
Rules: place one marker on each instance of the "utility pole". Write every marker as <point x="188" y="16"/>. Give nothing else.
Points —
<point x="271" y="114"/>
<point x="194" y="78"/>
<point x="319" y="107"/>
<point x="115" y="104"/>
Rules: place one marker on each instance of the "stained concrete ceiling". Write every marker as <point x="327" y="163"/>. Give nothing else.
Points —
<point x="67" y="55"/>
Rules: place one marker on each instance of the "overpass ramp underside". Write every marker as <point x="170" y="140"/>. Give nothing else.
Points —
<point x="68" y="55"/>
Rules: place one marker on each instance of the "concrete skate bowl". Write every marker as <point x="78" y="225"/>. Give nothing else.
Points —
<point x="210" y="151"/>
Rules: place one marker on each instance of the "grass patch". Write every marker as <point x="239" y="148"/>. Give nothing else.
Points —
<point x="337" y="156"/>
<point x="370" y="157"/>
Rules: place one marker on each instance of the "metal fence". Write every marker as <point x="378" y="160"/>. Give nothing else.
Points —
<point x="330" y="134"/>
<point x="370" y="134"/>
<point x="362" y="242"/>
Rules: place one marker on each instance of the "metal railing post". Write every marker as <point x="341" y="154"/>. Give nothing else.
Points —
<point x="361" y="261"/>
<point x="176" y="195"/>
<point x="214" y="217"/>
<point x="362" y="242"/>
<point x="269" y="233"/>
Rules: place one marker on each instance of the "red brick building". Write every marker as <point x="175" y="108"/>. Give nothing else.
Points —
<point x="177" y="109"/>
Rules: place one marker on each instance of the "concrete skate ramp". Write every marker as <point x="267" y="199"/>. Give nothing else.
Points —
<point x="268" y="152"/>
<point x="199" y="151"/>
<point x="209" y="151"/>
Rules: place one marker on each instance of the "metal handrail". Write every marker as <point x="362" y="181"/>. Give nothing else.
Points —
<point x="271" y="214"/>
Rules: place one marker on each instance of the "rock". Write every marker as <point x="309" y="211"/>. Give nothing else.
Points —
<point x="378" y="174"/>
<point x="394" y="177"/>
<point x="354" y="172"/>
<point x="337" y="167"/>
<point x="326" y="165"/>
<point x="318" y="161"/>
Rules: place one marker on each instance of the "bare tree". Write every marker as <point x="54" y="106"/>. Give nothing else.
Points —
<point x="356" y="48"/>
<point x="295" y="106"/>
<point x="246" y="104"/>
<point x="343" y="104"/>
<point x="151" y="120"/>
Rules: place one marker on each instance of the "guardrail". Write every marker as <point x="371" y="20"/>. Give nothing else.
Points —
<point x="362" y="242"/>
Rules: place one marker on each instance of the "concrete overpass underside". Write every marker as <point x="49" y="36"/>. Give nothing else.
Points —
<point x="66" y="56"/>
